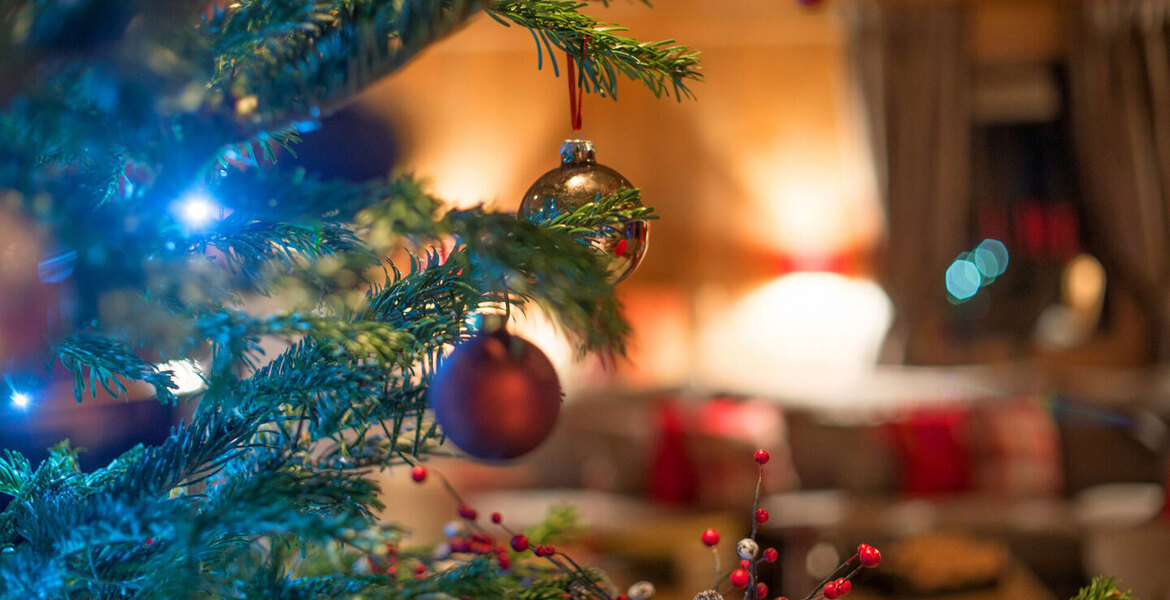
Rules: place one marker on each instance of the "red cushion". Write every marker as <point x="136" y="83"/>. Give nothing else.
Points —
<point x="1017" y="448"/>
<point x="932" y="451"/>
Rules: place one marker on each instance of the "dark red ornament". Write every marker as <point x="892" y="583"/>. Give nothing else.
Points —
<point x="496" y="396"/>
<point x="467" y="512"/>
<point x="497" y="517"/>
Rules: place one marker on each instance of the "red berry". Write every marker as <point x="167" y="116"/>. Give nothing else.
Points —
<point x="761" y="516"/>
<point x="496" y="518"/>
<point x="762" y="456"/>
<point x="831" y="592"/>
<point x="621" y="596"/>
<point x="740" y="578"/>
<point x="504" y="561"/>
<point x="844" y="586"/>
<point x="710" y="537"/>
<point x="770" y="555"/>
<point x="419" y="569"/>
<point x="869" y="556"/>
<point x="418" y="473"/>
<point x="149" y="541"/>
<point x="520" y="542"/>
<point x="467" y="512"/>
<point x="761" y="590"/>
<point x="745" y="564"/>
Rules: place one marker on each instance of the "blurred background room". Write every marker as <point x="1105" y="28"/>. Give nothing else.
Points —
<point x="917" y="249"/>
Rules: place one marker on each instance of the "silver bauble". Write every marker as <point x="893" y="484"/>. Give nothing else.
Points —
<point x="709" y="595"/>
<point x="643" y="590"/>
<point x="578" y="181"/>
<point x="747" y="549"/>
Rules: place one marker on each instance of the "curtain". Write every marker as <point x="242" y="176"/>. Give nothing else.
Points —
<point x="1119" y="88"/>
<point x="911" y="71"/>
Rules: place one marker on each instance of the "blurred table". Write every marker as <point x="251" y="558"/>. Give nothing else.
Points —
<point x="1018" y="583"/>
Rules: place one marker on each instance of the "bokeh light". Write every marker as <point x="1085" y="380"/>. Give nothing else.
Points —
<point x="21" y="400"/>
<point x="991" y="258"/>
<point x="963" y="279"/>
<point x="197" y="209"/>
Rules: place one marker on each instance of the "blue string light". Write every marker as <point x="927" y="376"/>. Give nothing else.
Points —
<point x="197" y="209"/>
<point x="21" y="400"/>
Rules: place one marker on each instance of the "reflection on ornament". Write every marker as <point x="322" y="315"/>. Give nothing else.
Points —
<point x="496" y="396"/>
<point x="578" y="181"/>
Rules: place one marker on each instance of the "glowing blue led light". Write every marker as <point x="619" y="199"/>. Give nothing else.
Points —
<point x="991" y="256"/>
<point x="197" y="209"/>
<point x="963" y="279"/>
<point x="21" y="400"/>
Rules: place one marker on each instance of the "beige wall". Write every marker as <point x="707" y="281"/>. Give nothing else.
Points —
<point x="766" y="138"/>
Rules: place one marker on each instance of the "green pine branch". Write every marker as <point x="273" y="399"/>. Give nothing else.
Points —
<point x="97" y="361"/>
<point x="600" y="50"/>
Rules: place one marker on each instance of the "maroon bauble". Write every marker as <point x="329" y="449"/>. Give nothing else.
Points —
<point x="496" y="396"/>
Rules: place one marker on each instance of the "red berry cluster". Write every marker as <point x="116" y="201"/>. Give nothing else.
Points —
<point x="867" y="557"/>
<point x="745" y="575"/>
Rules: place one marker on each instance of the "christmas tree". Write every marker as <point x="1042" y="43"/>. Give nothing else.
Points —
<point x="136" y="147"/>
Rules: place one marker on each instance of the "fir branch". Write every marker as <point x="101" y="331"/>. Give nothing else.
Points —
<point x="15" y="473"/>
<point x="606" y="216"/>
<point x="662" y="67"/>
<point x="1102" y="588"/>
<point x="94" y="361"/>
<point x="301" y="61"/>
<point x="249" y="247"/>
<point x="567" y="278"/>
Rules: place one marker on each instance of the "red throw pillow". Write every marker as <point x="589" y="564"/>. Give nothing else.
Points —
<point x="1016" y="448"/>
<point x="932" y="450"/>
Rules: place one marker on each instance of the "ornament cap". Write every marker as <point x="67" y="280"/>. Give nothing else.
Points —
<point x="577" y="152"/>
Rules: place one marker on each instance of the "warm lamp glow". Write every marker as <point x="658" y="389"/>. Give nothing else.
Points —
<point x="534" y="325"/>
<point x="802" y="331"/>
<point x="186" y="374"/>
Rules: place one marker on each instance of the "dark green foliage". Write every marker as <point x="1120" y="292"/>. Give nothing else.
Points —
<point x="115" y="110"/>
<point x="602" y="53"/>
<point x="1102" y="588"/>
